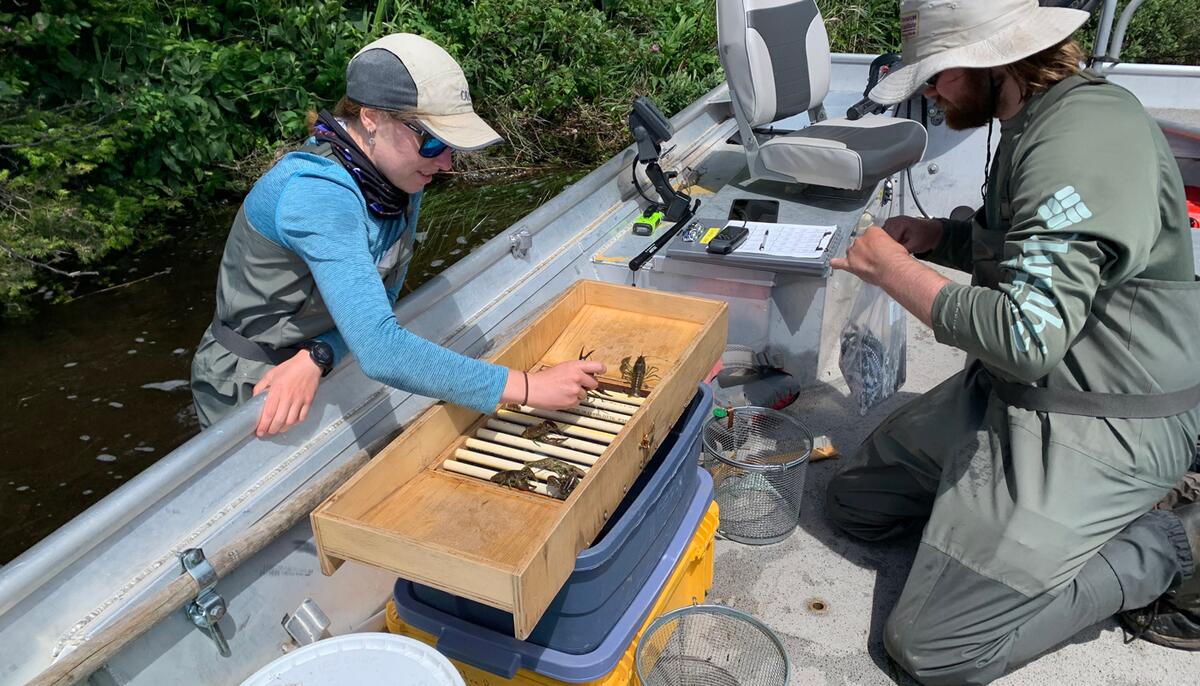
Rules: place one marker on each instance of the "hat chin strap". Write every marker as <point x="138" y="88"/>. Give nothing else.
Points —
<point x="994" y="94"/>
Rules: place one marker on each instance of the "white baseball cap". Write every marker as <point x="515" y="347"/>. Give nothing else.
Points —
<point x="404" y="71"/>
<point x="943" y="34"/>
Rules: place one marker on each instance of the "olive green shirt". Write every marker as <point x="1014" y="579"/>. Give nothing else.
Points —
<point x="1082" y="255"/>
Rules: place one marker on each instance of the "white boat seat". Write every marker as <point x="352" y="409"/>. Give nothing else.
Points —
<point x="845" y="154"/>
<point x="777" y="64"/>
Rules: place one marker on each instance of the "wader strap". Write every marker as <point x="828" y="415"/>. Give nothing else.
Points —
<point x="1121" y="405"/>
<point x="247" y="349"/>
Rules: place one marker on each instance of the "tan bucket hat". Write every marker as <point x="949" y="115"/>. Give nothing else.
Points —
<point x="404" y="71"/>
<point x="943" y="34"/>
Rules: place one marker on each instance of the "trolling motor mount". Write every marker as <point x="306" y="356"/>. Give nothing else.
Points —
<point x="651" y="129"/>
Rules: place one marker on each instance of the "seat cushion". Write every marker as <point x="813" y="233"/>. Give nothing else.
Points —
<point x="841" y="153"/>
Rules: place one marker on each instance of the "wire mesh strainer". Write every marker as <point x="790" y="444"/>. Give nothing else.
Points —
<point x="710" y="645"/>
<point x="757" y="458"/>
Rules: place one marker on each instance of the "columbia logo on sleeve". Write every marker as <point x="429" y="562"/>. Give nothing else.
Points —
<point x="1063" y="209"/>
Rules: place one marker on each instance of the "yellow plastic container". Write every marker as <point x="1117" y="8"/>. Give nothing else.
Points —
<point x="688" y="584"/>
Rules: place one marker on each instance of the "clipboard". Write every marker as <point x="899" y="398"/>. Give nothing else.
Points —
<point x="806" y="251"/>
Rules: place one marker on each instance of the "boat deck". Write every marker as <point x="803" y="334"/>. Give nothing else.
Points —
<point x="859" y="583"/>
<point x="210" y="491"/>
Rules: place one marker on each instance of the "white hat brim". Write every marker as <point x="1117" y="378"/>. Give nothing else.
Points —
<point x="466" y="131"/>
<point x="1041" y="29"/>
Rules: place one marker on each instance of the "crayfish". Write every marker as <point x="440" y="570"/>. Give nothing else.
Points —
<point x="521" y="479"/>
<point x="561" y="487"/>
<point x="637" y="373"/>
<point x="542" y="432"/>
<point x="559" y="467"/>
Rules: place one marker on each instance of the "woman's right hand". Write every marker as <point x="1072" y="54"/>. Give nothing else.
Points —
<point x="554" y="388"/>
<point x="915" y="234"/>
<point x="290" y="388"/>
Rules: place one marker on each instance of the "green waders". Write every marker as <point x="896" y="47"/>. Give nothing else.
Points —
<point x="267" y="303"/>
<point x="1033" y="502"/>
<point x="1025" y="542"/>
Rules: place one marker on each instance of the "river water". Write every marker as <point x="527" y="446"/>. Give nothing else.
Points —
<point x="96" y="390"/>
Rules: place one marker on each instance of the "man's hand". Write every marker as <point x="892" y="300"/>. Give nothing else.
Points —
<point x="915" y="234"/>
<point x="290" y="388"/>
<point x="872" y="255"/>
<point x="877" y="259"/>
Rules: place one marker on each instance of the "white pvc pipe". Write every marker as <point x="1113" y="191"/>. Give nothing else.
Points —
<point x="569" y="430"/>
<point x="483" y="473"/>
<point x="495" y="442"/>
<point x="572" y="419"/>
<point x="515" y="431"/>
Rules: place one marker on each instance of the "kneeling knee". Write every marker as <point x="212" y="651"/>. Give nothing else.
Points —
<point x="840" y="514"/>
<point x="934" y="658"/>
<point x="855" y="519"/>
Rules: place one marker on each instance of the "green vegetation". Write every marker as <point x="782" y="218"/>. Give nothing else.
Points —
<point x="119" y="116"/>
<point x="1162" y="31"/>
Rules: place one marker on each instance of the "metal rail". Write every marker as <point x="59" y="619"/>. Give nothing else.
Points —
<point x="1104" y="30"/>
<point x="1118" y="38"/>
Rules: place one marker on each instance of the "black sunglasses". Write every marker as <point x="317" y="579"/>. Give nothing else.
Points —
<point x="431" y="145"/>
<point x="931" y="82"/>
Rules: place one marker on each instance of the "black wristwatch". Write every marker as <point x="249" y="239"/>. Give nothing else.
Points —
<point x="321" y="353"/>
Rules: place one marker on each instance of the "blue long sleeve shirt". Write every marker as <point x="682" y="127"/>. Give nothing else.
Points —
<point x="311" y="206"/>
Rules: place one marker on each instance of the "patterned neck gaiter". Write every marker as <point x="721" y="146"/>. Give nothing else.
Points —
<point x="383" y="199"/>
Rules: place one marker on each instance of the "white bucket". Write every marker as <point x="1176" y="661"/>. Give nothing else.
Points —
<point x="360" y="660"/>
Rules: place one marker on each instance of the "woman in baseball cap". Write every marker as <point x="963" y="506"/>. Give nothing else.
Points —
<point x="319" y="249"/>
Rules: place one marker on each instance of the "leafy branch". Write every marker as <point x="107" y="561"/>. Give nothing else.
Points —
<point x="42" y="265"/>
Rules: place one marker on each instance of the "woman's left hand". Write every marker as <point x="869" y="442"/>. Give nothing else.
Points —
<point x="290" y="388"/>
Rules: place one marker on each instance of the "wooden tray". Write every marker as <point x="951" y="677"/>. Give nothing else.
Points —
<point x="502" y="547"/>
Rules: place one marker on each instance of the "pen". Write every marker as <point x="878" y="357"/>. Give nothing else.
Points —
<point x="764" y="239"/>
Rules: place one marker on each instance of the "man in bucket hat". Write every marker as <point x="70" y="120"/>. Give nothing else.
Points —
<point x="1032" y="473"/>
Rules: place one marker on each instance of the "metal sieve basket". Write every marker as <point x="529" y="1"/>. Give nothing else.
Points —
<point x="758" y="458"/>
<point x="710" y="645"/>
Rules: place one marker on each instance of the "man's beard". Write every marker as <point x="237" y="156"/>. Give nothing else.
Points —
<point x="978" y="108"/>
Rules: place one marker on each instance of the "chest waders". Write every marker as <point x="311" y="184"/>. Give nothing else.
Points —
<point x="1032" y="501"/>
<point x="267" y="304"/>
